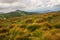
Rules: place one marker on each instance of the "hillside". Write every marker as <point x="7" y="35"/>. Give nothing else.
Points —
<point x="16" y="13"/>
<point x="45" y="26"/>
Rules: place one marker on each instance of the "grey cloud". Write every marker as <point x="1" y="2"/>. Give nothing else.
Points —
<point x="29" y="5"/>
<point x="8" y="1"/>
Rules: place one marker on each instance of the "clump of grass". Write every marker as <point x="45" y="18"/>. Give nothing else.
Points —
<point x="39" y="34"/>
<point x="4" y="30"/>
<point x="51" y="34"/>
<point x="22" y="25"/>
<point x="33" y="27"/>
<point x="14" y="31"/>
<point x="22" y="38"/>
<point x="46" y="26"/>
<point x="28" y="21"/>
<point x="40" y="20"/>
<point x="57" y="26"/>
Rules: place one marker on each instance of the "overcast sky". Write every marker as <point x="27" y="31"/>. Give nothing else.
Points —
<point x="29" y="5"/>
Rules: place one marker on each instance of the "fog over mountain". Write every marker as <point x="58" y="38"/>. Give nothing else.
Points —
<point x="29" y="5"/>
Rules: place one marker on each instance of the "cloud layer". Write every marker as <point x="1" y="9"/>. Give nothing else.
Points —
<point x="29" y="5"/>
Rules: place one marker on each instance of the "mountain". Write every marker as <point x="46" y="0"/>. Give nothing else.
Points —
<point x="14" y="14"/>
<point x="18" y="13"/>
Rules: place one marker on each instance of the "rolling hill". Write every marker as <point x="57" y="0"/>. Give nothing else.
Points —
<point x="44" y="26"/>
<point x="14" y="14"/>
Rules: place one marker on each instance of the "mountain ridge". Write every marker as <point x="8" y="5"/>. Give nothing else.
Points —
<point x="21" y="13"/>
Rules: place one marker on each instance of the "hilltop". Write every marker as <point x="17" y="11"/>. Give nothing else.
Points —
<point x="16" y="13"/>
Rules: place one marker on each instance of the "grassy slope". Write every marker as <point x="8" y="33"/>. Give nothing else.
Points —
<point x="13" y="14"/>
<point x="31" y="27"/>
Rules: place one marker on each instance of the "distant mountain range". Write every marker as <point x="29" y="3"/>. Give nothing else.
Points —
<point x="20" y="13"/>
<point x="15" y="14"/>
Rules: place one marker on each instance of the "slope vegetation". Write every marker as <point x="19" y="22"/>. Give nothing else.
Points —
<point x="31" y="27"/>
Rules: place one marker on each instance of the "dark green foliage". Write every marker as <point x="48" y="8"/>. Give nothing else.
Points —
<point x="33" y="27"/>
<point x="57" y="26"/>
<point x="23" y="38"/>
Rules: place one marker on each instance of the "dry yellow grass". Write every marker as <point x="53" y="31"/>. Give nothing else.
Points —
<point x="31" y="27"/>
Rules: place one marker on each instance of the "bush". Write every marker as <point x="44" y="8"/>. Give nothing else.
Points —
<point x="40" y="20"/>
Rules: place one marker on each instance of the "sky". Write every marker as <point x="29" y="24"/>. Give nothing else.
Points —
<point x="29" y="5"/>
